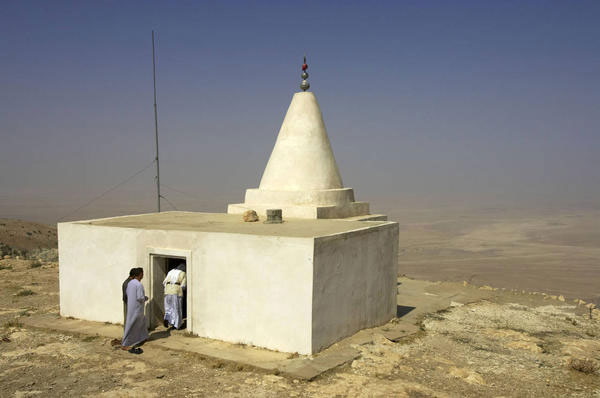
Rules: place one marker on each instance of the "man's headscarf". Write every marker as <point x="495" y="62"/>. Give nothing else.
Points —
<point x="181" y="267"/>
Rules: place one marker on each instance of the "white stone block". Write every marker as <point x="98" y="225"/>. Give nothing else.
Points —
<point x="298" y="286"/>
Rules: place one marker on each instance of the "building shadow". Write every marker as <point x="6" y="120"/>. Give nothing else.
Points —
<point x="402" y="310"/>
<point x="162" y="334"/>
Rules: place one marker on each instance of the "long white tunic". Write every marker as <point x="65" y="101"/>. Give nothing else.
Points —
<point x="174" y="283"/>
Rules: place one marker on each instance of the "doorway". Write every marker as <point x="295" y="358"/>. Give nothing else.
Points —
<point x="160" y="265"/>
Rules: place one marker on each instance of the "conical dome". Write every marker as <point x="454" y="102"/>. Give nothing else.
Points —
<point x="302" y="159"/>
<point x="302" y="178"/>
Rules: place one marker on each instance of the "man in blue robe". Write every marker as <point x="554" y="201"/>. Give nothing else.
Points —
<point x="129" y="278"/>
<point x="136" y="331"/>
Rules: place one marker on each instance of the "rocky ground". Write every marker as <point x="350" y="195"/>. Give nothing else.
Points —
<point x="512" y="345"/>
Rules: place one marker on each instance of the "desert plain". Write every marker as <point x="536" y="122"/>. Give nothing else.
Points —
<point x="552" y="250"/>
<point x="517" y="288"/>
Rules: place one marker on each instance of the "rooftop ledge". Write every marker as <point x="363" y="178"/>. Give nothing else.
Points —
<point x="233" y="223"/>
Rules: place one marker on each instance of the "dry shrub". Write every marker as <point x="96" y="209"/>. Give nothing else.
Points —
<point x="217" y="365"/>
<point x="48" y="255"/>
<point x="35" y="264"/>
<point x="587" y="366"/>
<point x="14" y="323"/>
<point x="25" y="292"/>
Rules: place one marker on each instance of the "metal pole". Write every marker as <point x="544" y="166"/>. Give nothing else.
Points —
<point x="156" y="125"/>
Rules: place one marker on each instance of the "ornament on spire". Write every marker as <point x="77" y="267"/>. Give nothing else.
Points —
<point x="304" y="85"/>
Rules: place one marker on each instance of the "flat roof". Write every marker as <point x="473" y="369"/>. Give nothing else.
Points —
<point x="233" y="223"/>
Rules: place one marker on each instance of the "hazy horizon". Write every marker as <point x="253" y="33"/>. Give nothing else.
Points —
<point x="427" y="104"/>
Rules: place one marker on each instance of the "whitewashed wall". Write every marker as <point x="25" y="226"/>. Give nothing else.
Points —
<point x="354" y="282"/>
<point x="253" y="289"/>
<point x="243" y="288"/>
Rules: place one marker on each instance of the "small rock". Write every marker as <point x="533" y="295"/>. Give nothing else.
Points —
<point x="486" y="287"/>
<point x="467" y="375"/>
<point x="561" y="298"/>
<point x="553" y="297"/>
<point x="160" y="376"/>
<point x="465" y="283"/>
<point x="250" y="216"/>
<point x="7" y="257"/>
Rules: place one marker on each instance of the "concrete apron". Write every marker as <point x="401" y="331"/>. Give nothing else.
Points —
<point x="415" y="300"/>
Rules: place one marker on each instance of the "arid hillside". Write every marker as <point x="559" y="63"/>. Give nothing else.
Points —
<point x="25" y="238"/>
<point x="467" y="340"/>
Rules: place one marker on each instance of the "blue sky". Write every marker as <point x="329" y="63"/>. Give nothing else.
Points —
<point x="426" y="103"/>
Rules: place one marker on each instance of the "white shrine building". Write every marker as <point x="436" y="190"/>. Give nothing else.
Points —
<point x="327" y="271"/>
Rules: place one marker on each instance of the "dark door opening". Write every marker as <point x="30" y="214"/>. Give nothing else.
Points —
<point x="161" y="267"/>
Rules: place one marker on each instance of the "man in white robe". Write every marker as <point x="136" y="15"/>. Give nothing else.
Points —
<point x="174" y="283"/>
<point x="136" y="331"/>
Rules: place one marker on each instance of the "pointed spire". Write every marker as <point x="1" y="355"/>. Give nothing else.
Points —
<point x="302" y="158"/>
<point x="304" y="85"/>
<point x="302" y="177"/>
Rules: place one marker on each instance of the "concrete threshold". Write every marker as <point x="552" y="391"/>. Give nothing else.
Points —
<point x="290" y="365"/>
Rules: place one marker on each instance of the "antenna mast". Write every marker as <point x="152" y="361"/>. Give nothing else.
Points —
<point x="156" y="125"/>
